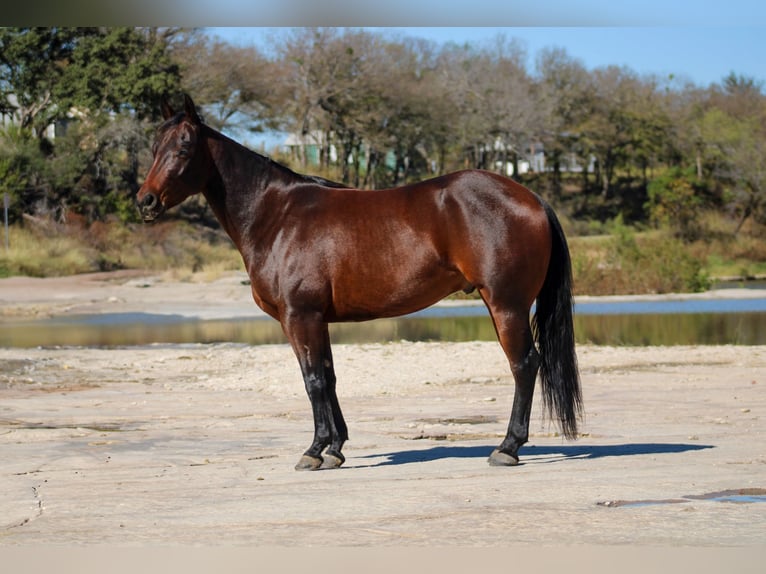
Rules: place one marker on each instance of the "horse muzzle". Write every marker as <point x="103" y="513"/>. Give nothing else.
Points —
<point x="150" y="207"/>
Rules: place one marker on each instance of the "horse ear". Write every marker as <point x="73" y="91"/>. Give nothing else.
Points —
<point x="167" y="111"/>
<point x="191" y="110"/>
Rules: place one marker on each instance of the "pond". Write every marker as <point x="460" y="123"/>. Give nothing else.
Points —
<point x="674" y="322"/>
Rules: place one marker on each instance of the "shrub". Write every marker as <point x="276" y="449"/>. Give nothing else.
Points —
<point x="629" y="264"/>
<point x="674" y="202"/>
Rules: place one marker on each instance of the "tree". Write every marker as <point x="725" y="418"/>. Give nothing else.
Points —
<point x="308" y="81"/>
<point x="22" y="165"/>
<point x="512" y="116"/>
<point x="674" y="202"/>
<point x="100" y="85"/>
<point x="625" y="124"/>
<point x="494" y="116"/>
<point x="329" y="92"/>
<point x="735" y="148"/>
<point x="238" y="87"/>
<point x="687" y="108"/>
<point x="405" y="116"/>
<point x="115" y="70"/>
<point x="561" y="90"/>
<point x="32" y="63"/>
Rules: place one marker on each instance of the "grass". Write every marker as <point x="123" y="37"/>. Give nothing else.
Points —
<point x="186" y="252"/>
<point x="725" y="255"/>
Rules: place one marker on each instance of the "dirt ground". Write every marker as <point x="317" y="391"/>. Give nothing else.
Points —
<point x="195" y="444"/>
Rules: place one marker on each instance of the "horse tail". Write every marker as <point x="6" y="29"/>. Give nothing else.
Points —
<point x="554" y="333"/>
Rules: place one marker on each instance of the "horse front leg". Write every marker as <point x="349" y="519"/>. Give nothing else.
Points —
<point x="310" y="340"/>
<point x="333" y="457"/>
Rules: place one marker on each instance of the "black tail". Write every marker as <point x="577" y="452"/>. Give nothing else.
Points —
<point x="554" y="334"/>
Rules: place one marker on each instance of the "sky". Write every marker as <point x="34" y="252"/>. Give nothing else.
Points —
<point x="700" y="54"/>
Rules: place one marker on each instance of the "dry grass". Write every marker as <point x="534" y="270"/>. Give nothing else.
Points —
<point x="45" y="249"/>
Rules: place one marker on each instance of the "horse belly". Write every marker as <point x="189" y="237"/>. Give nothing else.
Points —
<point x="376" y="289"/>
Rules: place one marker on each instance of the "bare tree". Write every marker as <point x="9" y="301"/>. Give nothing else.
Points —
<point x="561" y="96"/>
<point x="496" y="118"/>
<point x="236" y="86"/>
<point x="409" y="121"/>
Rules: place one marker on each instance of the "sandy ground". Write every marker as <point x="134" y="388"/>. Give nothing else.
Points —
<point x="195" y="444"/>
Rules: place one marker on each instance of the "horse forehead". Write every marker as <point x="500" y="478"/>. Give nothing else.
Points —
<point x="167" y="134"/>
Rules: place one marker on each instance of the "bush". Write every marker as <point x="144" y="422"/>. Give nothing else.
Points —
<point x="674" y="202"/>
<point x="628" y="264"/>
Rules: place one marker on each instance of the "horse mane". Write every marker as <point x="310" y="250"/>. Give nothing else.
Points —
<point x="267" y="161"/>
<point x="298" y="176"/>
<point x="321" y="180"/>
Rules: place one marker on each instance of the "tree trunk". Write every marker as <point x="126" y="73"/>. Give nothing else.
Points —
<point x="556" y="188"/>
<point x="606" y="176"/>
<point x="748" y="211"/>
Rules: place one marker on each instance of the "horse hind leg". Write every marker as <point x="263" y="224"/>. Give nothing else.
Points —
<point x="515" y="336"/>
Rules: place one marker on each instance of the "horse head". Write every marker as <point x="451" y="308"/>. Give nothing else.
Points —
<point x="180" y="164"/>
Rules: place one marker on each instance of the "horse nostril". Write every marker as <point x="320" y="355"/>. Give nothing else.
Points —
<point x="149" y="201"/>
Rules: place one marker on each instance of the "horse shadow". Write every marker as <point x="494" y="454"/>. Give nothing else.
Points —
<point x="535" y="454"/>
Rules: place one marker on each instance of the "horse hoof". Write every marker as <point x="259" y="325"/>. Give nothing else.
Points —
<point x="309" y="463"/>
<point x="332" y="460"/>
<point x="498" y="458"/>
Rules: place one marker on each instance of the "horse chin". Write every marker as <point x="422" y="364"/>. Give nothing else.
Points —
<point x="151" y="215"/>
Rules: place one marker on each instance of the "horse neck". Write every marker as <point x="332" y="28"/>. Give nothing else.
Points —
<point x="237" y="184"/>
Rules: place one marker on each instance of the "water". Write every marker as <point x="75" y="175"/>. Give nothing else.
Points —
<point x="690" y="322"/>
<point x="735" y="496"/>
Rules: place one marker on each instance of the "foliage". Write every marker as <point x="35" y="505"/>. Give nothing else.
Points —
<point x="674" y="202"/>
<point x="97" y="87"/>
<point x="627" y="264"/>
<point x="114" y="70"/>
<point x="21" y="163"/>
<point x="32" y="62"/>
<point x="735" y="148"/>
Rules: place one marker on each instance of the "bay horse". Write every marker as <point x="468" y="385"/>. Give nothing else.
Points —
<point x="319" y="252"/>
